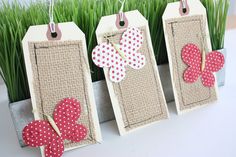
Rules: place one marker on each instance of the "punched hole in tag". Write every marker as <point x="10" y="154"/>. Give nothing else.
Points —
<point x="121" y="14"/>
<point x="52" y="24"/>
<point x="184" y="9"/>
<point x="122" y="23"/>
<point x="53" y="30"/>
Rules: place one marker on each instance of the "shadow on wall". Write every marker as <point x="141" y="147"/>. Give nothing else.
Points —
<point x="1" y="81"/>
<point x="232" y="9"/>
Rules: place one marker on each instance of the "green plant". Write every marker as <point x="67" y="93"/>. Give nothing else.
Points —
<point x="12" y="68"/>
<point x="217" y="15"/>
<point x="16" y="19"/>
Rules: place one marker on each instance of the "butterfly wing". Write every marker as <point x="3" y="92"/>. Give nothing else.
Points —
<point x="55" y="148"/>
<point x="191" y="56"/>
<point x="105" y="55"/>
<point x="66" y="114"/>
<point x="131" y="41"/>
<point x="117" y="72"/>
<point x="214" y="62"/>
<point x="208" y="79"/>
<point x="38" y="133"/>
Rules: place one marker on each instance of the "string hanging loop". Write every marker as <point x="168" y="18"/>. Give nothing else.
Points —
<point x="184" y="8"/>
<point x="121" y="13"/>
<point x="52" y="24"/>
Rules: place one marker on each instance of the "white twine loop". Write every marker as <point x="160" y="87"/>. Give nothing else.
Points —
<point x="121" y="10"/>
<point x="184" y="7"/>
<point x="184" y="4"/>
<point x="51" y="23"/>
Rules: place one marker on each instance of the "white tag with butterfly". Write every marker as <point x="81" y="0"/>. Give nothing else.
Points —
<point x="191" y="60"/>
<point x="55" y="55"/>
<point x="125" y="53"/>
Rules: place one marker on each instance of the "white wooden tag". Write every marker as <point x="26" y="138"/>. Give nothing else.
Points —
<point x="141" y="102"/>
<point x="58" y="69"/>
<point x="181" y="30"/>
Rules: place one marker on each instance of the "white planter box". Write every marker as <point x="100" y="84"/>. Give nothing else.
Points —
<point x="221" y="74"/>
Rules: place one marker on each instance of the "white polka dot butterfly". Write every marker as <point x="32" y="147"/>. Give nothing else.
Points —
<point x="53" y="132"/>
<point x="118" y="56"/>
<point x="201" y="65"/>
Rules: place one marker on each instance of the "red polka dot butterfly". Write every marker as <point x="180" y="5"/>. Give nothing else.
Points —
<point x="53" y="132"/>
<point x="201" y="65"/>
<point x="118" y="56"/>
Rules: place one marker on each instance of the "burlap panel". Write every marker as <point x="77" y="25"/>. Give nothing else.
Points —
<point x="182" y="31"/>
<point x="58" y="72"/>
<point x="139" y="94"/>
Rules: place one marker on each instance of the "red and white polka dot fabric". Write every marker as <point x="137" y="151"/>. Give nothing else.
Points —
<point x="106" y="55"/>
<point x="41" y="133"/>
<point x="192" y="56"/>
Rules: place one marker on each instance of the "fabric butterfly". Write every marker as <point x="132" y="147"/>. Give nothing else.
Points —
<point x="118" y="56"/>
<point x="214" y="61"/>
<point x="52" y="133"/>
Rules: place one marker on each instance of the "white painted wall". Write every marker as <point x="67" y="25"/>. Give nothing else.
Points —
<point x="232" y="8"/>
